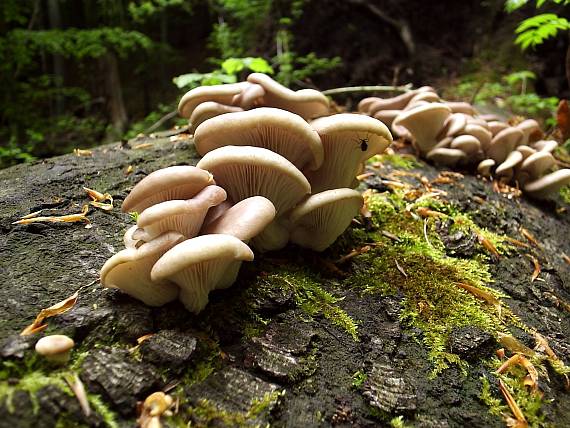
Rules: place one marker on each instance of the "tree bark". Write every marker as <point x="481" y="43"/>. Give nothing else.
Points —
<point x="113" y="93"/>
<point x="58" y="64"/>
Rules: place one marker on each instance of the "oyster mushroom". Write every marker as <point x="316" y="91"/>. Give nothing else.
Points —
<point x="550" y="183"/>
<point x="175" y="182"/>
<point x="208" y="110"/>
<point x="484" y="167"/>
<point x="503" y="143"/>
<point x="222" y="94"/>
<point x="506" y="169"/>
<point x="446" y="157"/>
<point x="129" y="270"/>
<point x="424" y="123"/>
<point x="202" y="264"/>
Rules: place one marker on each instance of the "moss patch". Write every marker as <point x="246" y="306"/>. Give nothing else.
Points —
<point x="396" y="160"/>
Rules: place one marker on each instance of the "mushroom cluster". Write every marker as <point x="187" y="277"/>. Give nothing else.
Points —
<point x="453" y="133"/>
<point x="267" y="177"/>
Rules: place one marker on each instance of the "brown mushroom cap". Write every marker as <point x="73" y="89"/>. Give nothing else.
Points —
<point x="184" y="217"/>
<point x="208" y="110"/>
<point x="446" y="157"/>
<point x="348" y="140"/>
<point x="175" y="182"/>
<point x="201" y="264"/>
<point x="549" y="184"/>
<point x="280" y="131"/>
<point x="425" y="123"/>
<point x="245" y="220"/>
<point x="307" y="103"/>
<point x="319" y="220"/>
<point x="245" y="171"/>
<point x="387" y="116"/>
<point x="129" y="270"/>
<point x="222" y="94"/>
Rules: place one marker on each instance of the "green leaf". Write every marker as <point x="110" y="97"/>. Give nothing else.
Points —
<point x="259" y="65"/>
<point x="233" y="65"/>
<point x="512" y="5"/>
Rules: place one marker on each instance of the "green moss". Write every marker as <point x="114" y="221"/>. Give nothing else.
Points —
<point x="399" y="422"/>
<point x="97" y="404"/>
<point x="206" y="413"/>
<point x="358" y="379"/>
<point x="430" y="281"/>
<point x="396" y="160"/>
<point x="565" y="194"/>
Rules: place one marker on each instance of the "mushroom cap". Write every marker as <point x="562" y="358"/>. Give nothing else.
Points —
<point x="244" y="220"/>
<point x="446" y="157"/>
<point x="307" y="103"/>
<point x="348" y="140"/>
<point x="386" y="116"/>
<point x="251" y="96"/>
<point x="526" y="151"/>
<point x="365" y="103"/>
<point x="466" y="143"/>
<point x="208" y="110"/>
<point x="503" y="143"/>
<point x="537" y="164"/>
<point x="506" y="169"/>
<point x="185" y="217"/>
<point x="129" y="270"/>
<point x="201" y="264"/>
<point x="482" y="134"/>
<point x="495" y="126"/>
<point x="531" y="131"/>
<point x="278" y="130"/>
<point x="453" y="125"/>
<point x="322" y="217"/>
<point x="425" y="123"/>
<point x="548" y="184"/>
<point x="398" y="102"/>
<point x="128" y="240"/>
<point x="222" y="94"/>
<point x="54" y="344"/>
<point x="174" y="182"/>
<point x="252" y="171"/>
<point x="484" y="167"/>
<point x="545" y="145"/>
<point x="460" y="107"/>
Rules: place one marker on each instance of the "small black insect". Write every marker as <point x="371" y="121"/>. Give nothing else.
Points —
<point x="363" y="144"/>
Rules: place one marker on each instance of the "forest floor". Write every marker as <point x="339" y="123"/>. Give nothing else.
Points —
<point x="397" y="324"/>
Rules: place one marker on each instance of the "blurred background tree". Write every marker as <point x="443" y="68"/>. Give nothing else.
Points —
<point x="76" y="73"/>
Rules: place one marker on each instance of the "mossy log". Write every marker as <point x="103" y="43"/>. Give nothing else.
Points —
<point x="391" y="336"/>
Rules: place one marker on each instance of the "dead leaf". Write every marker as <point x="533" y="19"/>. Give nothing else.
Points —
<point x="400" y="268"/>
<point x="426" y="212"/>
<point x="129" y="170"/>
<point x="482" y="294"/>
<point x="537" y="268"/>
<point x="81" y="152"/>
<point x="142" y="146"/>
<point x="566" y="258"/>
<point x="530" y="237"/>
<point x="57" y="309"/>
<point x="514" y="345"/>
<point x="563" y="118"/>
<point x="70" y="218"/>
<point x="515" y="409"/>
<point x="488" y="245"/>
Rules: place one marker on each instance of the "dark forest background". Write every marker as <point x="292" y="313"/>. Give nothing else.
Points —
<point x="76" y="73"/>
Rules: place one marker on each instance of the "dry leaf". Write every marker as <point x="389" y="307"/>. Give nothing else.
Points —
<point x="81" y="152"/>
<point x="426" y="212"/>
<point x="482" y="294"/>
<point x="57" y="309"/>
<point x="530" y="237"/>
<point x="537" y="268"/>
<point x="142" y="146"/>
<point x="514" y="345"/>
<point x="488" y="245"/>
<point x="517" y="412"/>
<point x="563" y="119"/>
<point x="400" y="268"/>
<point x="70" y="218"/>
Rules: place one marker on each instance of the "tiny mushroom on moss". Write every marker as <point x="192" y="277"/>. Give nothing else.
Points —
<point x="175" y="182"/>
<point x="319" y="220"/>
<point x="130" y="268"/>
<point x="348" y="140"/>
<point x="202" y="264"/>
<point x="55" y="348"/>
<point x="278" y="130"/>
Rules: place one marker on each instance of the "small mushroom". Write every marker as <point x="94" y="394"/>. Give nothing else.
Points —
<point x="550" y="183"/>
<point x="466" y="143"/>
<point x="365" y="103"/>
<point x="319" y="220"/>
<point x="245" y="171"/>
<point x="222" y="94"/>
<point x="482" y="134"/>
<point x="503" y="143"/>
<point x="398" y="102"/>
<point x="208" y="110"/>
<point x="278" y="130"/>
<point x="348" y="140"/>
<point x="531" y="131"/>
<point x="506" y="169"/>
<point x="484" y="167"/>
<point x="130" y="268"/>
<point x="495" y="127"/>
<point x="55" y="348"/>
<point x="175" y="182"/>
<point x="202" y="264"/>
<point x="545" y="145"/>
<point x="526" y="151"/>
<point x="446" y="157"/>
<point x="307" y="103"/>
<point x="386" y="116"/>
<point x="424" y="123"/>
<point x="184" y="217"/>
<point x="535" y="166"/>
<point x="453" y="125"/>
<point x="128" y="239"/>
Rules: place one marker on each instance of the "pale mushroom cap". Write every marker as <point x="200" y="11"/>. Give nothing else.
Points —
<point x="398" y="102"/>
<point x="461" y="107"/>
<point x="321" y="218"/>
<point x="466" y="143"/>
<point x="443" y="143"/>
<point x="365" y="103"/>
<point x="495" y="127"/>
<point x="545" y="145"/>
<point x="251" y="96"/>
<point x="454" y="124"/>
<point x="222" y="94"/>
<point x="54" y="345"/>
<point x="387" y="116"/>
<point x="503" y="143"/>
<point x="200" y="265"/>
<point x="424" y="123"/>
<point x="244" y="220"/>
<point x="175" y="182"/>
<point x="185" y="217"/>
<point x="307" y="103"/>
<point x="348" y="140"/>
<point x="526" y="151"/>
<point x="208" y="110"/>
<point x="482" y="134"/>
<point x="278" y="130"/>
<point x="484" y="167"/>
<point x="447" y="157"/>
<point x="506" y="168"/>
<point x="537" y="164"/>
<point x="129" y="270"/>
<point x="128" y="240"/>
<point x="531" y="131"/>
<point x="252" y="171"/>
<point x="548" y="184"/>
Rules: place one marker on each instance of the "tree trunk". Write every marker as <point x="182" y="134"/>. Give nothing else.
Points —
<point x="58" y="64"/>
<point x="114" y="94"/>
